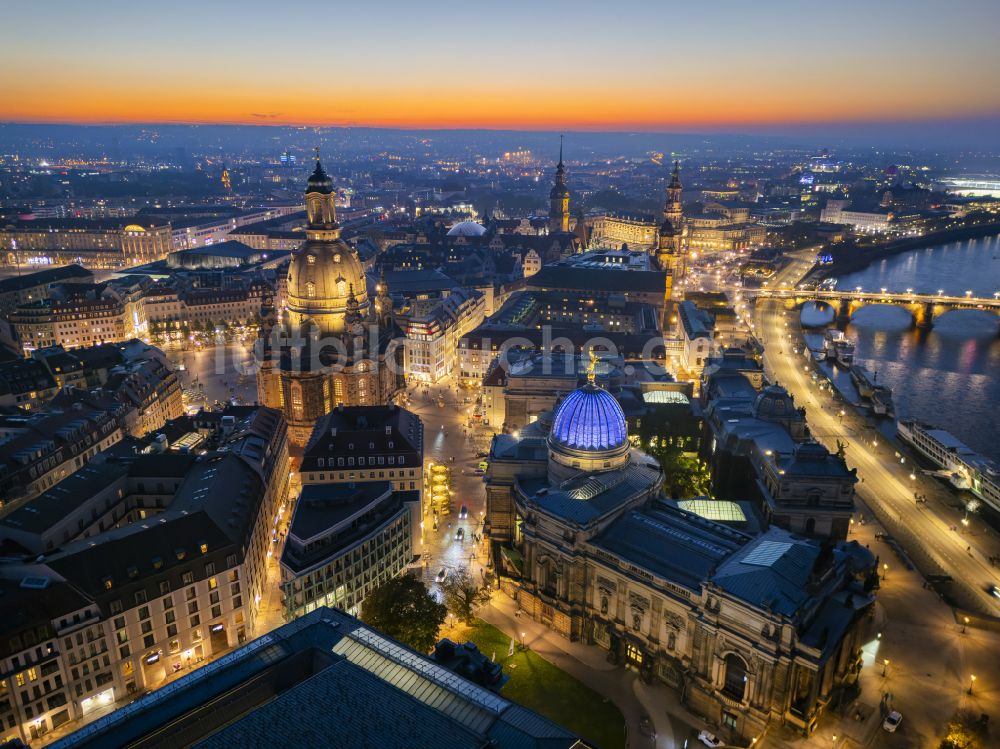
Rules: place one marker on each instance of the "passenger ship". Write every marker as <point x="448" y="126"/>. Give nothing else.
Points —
<point x="966" y="468"/>
<point x="839" y="347"/>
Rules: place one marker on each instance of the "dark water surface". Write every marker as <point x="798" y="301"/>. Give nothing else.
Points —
<point x="950" y="375"/>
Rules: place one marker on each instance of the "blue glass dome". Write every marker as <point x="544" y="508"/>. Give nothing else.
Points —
<point x="589" y="418"/>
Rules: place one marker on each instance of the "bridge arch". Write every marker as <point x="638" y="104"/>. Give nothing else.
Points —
<point x="892" y="315"/>
<point x="969" y="317"/>
<point x="924" y="309"/>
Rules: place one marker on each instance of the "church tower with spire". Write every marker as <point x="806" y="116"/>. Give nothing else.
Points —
<point x="559" y="198"/>
<point x="672" y="235"/>
<point x="335" y="345"/>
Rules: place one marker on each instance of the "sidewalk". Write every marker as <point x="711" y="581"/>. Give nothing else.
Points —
<point x="672" y="723"/>
<point x="916" y="653"/>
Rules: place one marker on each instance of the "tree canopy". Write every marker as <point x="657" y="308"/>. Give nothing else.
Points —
<point x="683" y="476"/>
<point x="462" y="594"/>
<point x="403" y="609"/>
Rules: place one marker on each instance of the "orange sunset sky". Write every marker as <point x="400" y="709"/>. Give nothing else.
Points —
<point x="585" y="65"/>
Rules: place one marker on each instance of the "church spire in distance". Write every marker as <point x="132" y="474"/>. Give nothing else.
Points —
<point x="559" y="198"/>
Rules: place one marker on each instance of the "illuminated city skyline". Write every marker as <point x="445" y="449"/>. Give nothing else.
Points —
<point x="640" y="66"/>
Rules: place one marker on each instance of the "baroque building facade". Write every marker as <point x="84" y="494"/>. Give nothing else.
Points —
<point x="335" y="346"/>
<point x="672" y="236"/>
<point x="748" y="624"/>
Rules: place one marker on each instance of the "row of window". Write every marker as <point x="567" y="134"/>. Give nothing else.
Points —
<point x="370" y="460"/>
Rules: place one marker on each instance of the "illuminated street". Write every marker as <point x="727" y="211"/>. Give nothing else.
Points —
<point x="887" y="484"/>
<point x="447" y="435"/>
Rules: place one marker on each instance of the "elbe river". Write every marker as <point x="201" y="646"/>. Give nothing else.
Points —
<point x="948" y="376"/>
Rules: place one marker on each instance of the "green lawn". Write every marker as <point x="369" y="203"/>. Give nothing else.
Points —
<point x="537" y="684"/>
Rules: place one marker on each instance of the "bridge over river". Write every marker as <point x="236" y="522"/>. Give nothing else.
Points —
<point x="924" y="308"/>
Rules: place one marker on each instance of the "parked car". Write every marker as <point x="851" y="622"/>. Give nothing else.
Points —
<point x="460" y="534"/>
<point x="892" y="721"/>
<point x="709" y="739"/>
<point x="463" y="513"/>
<point x="441" y="575"/>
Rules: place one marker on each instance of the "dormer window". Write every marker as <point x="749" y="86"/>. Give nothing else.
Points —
<point x="311" y="259"/>
<point x="311" y="290"/>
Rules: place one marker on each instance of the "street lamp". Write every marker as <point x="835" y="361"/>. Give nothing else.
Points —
<point x="885" y="667"/>
<point x="972" y="682"/>
<point x="885" y="570"/>
<point x="968" y="293"/>
<point x="522" y="641"/>
<point x="965" y="623"/>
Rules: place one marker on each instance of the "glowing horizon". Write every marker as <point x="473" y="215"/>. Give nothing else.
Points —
<point x="581" y="66"/>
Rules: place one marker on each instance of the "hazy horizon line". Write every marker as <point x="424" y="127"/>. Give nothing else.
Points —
<point x="755" y="128"/>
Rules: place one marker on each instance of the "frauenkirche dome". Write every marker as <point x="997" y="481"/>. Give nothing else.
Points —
<point x="325" y="271"/>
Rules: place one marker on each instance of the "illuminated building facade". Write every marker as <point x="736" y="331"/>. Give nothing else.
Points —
<point x="357" y="521"/>
<point x="152" y="565"/>
<point x="82" y="315"/>
<point x="750" y="625"/>
<point x="873" y="221"/>
<point x="338" y="560"/>
<point x="336" y="346"/>
<point x="100" y="243"/>
<point x="724" y="226"/>
<point x="431" y="343"/>
<point x="619" y="229"/>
